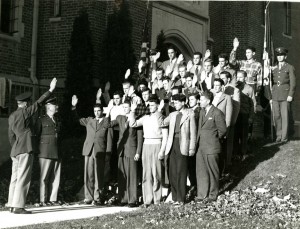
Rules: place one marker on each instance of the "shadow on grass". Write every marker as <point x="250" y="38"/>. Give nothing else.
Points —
<point x="260" y="151"/>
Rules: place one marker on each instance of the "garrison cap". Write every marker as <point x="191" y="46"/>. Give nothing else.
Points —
<point x="153" y="52"/>
<point x="23" y="97"/>
<point x="281" y="51"/>
<point x="52" y="101"/>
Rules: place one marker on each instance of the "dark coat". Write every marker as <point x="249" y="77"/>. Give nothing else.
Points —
<point x="48" y="132"/>
<point x="96" y="134"/>
<point x="20" y="126"/>
<point x="212" y="128"/>
<point x="130" y="139"/>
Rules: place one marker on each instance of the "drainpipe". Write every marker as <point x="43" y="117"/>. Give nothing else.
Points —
<point x="34" y="49"/>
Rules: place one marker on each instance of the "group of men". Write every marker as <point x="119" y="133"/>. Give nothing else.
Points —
<point x="181" y="121"/>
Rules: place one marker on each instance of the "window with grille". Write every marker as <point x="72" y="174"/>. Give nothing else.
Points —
<point x="9" y="12"/>
<point x="288" y="18"/>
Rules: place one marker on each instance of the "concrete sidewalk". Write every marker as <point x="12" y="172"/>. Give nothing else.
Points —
<point x="57" y="213"/>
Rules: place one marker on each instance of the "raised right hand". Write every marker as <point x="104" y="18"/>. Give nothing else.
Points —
<point x="74" y="100"/>
<point x="236" y="43"/>
<point x="53" y="84"/>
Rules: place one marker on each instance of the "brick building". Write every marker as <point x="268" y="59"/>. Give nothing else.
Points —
<point x="35" y="35"/>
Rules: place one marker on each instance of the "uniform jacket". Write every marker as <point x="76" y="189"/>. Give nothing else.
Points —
<point x="20" y="125"/>
<point x="188" y="132"/>
<point x="284" y="82"/>
<point x="212" y="128"/>
<point x="47" y="132"/>
<point x="96" y="134"/>
<point x="130" y="139"/>
<point x="225" y="105"/>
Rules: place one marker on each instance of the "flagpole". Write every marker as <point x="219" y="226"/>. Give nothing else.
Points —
<point x="267" y="62"/>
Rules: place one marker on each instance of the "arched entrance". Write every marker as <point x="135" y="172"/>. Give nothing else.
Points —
<point x="181" y="42"/>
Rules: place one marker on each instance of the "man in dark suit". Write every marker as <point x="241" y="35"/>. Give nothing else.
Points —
<point x="94" y="150"/>
<point x="47" y="130"/>
<point x="211" y="129"/>
<point x="19" y="132"/>
<point x="129" y="149"/>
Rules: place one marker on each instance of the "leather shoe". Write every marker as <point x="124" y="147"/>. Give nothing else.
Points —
<point x="96" y="203"/>
<point x="21" y="211"/>
<point x="132" y="205"/>
<point x="11" y="209"/>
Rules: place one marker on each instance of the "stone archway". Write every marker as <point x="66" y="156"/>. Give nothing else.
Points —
<point x="181" y="42"/>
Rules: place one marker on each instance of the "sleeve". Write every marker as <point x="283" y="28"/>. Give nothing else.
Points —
<point x="221" y="124"/>
<point x="193" y="134"/>
<point x="35" y="106"/>
<point x="133" y="122"/>
<point x="229" y="109"/>
<point x="82" y="121"/>
<point x="38" y="128"/>
<point x="11" y="134"/>
<point x="292" y="81"/>
<point x="139" y="141"/>
<point x="232" y="59"/>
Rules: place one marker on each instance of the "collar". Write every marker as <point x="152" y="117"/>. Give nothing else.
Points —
<point x="207" y="109"/>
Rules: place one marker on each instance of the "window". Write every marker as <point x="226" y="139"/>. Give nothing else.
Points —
<point x="57" y="8"/>
<point x="288" y="18"/>
<point x="9" y="11"/>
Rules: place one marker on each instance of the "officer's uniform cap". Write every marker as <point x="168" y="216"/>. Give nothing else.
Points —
<point x="52" y="101"/>
<point x="281" y="51"/>
<point x="23" y="97"/>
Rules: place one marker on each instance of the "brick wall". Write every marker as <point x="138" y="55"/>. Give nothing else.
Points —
<point x="54" y="36"/>
<point x="14" y="55"/>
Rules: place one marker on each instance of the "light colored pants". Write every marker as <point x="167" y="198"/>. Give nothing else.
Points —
<point x="49" y="179"/>
<point x="281" y="110"/>
<point x="152" y="189"/>
<point x="20" y="180"/>
<point x="94" y="176"/>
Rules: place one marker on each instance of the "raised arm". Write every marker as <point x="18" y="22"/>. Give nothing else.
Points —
<point x="82" y="121"/>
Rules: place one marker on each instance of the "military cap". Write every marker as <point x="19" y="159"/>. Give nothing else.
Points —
<point x="153" y="52"/>
<point x="281" y="51"/>
<point x="23" y="97"/>
<point x="52" y="101"/>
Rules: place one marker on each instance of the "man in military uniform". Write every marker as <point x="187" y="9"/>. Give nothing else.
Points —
<point x="283" y="92"/>
<point x="49" y="156"/>
<point x="19" y="132"/>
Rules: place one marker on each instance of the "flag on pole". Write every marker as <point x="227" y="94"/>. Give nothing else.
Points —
<point x="268" y="55"/>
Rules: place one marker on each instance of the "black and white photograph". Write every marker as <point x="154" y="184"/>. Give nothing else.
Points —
<point x="149" y="114"/>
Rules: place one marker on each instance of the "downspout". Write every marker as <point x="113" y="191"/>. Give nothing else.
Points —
<point x="34" y="49"/>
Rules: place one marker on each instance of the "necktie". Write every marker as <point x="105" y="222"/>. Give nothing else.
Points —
<point x="197" y="70"/>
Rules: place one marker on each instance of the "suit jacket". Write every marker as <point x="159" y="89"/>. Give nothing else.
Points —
<point x="212" y="128"/>
<point x="130" y="140"/>
<point x="188" y="132"/>
<point x="234" y="92"/>
<point x="47" y="132"/>
<point x="174" y="70"/>
<point x="96" y="134"/>
<point x="20" y="126"/>
<point x="284" y="82"/>
<point x="225" y="105"/>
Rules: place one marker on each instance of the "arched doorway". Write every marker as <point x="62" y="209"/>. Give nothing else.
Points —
<point x="180" y="42"/>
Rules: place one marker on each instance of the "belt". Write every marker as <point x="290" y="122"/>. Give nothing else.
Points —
<point x="280" y="83"/>
<point x="152" y="140"/>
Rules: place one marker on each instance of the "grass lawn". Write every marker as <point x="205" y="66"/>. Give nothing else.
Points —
<point x="263" y="193"/>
